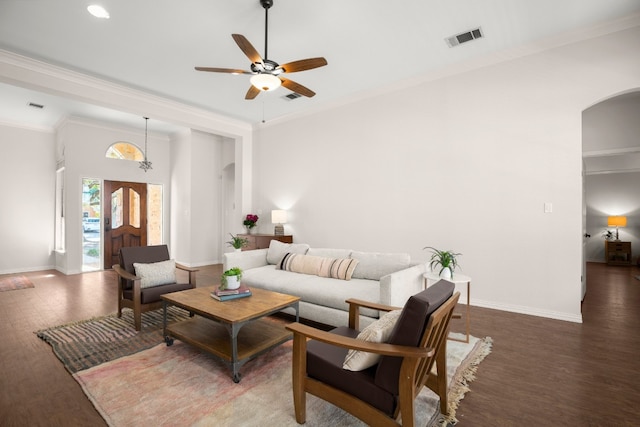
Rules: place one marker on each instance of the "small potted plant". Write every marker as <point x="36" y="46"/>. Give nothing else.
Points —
<point x="237" y="242"/>
<point x="607" y="234"/>
<point x="250" y="221"/>
<point x="444" y="260"/>
<point x="231" y="278"/>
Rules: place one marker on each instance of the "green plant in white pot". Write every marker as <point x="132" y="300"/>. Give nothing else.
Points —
<point x="237" y="242"/>
<point x="231" y="278"/>
<point x="445" y="261"/>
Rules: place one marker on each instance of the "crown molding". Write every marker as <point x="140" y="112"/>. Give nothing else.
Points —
<point x="34" y="74"/>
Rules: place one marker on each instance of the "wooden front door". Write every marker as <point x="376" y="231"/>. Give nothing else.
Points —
<point x="125" y="218"/>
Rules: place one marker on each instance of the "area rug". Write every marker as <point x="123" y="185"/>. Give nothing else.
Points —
<point x="82" y="345"/>
<point x="13" y="283"/>
<point x="182" y="386"/>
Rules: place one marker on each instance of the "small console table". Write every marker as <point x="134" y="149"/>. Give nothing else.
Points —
<point x="262" y="241"/>
<point x="617" y="253"/>
<point x="431" y="277"/>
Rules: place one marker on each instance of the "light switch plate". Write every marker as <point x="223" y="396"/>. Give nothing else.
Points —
<point x="548" y="207"/>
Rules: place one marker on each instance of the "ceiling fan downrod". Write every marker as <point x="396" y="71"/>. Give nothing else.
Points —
<point x="266" y="4"/>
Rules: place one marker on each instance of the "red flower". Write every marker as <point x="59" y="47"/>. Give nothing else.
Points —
<point x="250" y="220"/>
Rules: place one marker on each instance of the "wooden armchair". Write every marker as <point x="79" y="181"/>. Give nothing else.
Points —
<point x="131" y="293"/>
<point x="379" y="394"/>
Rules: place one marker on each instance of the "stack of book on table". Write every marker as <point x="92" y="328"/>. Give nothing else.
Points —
<point x="228" y="294"/>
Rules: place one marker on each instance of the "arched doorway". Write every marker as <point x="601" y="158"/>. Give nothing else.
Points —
<point x="611" y="171"/>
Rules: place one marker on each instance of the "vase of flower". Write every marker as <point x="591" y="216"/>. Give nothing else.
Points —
<point x="250" y="222"/>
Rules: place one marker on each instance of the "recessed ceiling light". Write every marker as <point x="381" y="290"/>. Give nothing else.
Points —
<point x="98" y="11"/>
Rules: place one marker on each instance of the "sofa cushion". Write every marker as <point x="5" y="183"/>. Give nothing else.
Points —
<point x="378" y="331"/>
<point x="324" y="362"/>
<point x="317" y="290"/>
<point x="319" y="266"/>
<point x="278" y="249"/>
<point x="152" y="294"/>
<point x="374" y="265"/>
<point x="156" y="273"/>
<point x="330" y="252"/>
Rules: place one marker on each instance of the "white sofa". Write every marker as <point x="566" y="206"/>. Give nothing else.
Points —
<point x="378" y="277"/>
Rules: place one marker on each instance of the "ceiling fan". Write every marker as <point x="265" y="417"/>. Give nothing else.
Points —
<point x="267" y="74"/>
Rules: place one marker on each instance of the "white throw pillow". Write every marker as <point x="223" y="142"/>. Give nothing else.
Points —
<point x="378" y="331"/>
<point x="156" y="273"/>
<point x="278" y="249"/>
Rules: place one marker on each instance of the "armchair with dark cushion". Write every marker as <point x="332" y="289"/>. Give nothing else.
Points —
<point x="132" y="294"/>
<point x="379" y="394"/>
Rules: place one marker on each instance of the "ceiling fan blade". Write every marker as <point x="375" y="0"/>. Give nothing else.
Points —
<point x="247" y="48"/>
<point x="304" y="64"/>
<point x="252" y="92"/>
<point x="222" y="70"/>
<point x="296" y="87"/>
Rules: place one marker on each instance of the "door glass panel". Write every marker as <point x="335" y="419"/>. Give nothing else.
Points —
<point x="91" y="224"/>
<point x="154" y="215"/>
<point x="116" y="209"/>
<point x="134" y="209"/>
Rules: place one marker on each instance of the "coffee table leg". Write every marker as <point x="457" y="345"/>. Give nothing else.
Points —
<point x="166" y="336"/>
<point x="233" y="330"/>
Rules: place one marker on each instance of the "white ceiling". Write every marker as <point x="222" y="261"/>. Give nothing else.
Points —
<point x="370" y="45"/>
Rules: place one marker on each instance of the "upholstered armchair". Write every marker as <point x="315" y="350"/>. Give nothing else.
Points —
<point x="378" y="394"/>
<point x="145" y="273"/>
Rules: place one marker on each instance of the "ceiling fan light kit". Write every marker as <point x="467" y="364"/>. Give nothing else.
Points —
<point x="266" y="74"/>
<point x="265" y="82"/>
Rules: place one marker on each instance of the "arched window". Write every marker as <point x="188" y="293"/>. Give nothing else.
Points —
<point x="124" y="151"/>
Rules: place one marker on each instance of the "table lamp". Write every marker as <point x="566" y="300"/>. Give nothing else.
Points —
<point x="278" y="217"/>
<point x="617" y="221"/>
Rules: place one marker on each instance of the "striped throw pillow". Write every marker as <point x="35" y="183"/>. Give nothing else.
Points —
<point x="337" y="268"/>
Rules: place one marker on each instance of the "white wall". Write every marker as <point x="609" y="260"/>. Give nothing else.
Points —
<point x="207" y="196"/>
<point x="463" y="163"/>
<point x="196" y="226"/>
<point x="27" y="191"/>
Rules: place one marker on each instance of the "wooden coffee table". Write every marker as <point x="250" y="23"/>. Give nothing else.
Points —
<point x="234" y="330"/>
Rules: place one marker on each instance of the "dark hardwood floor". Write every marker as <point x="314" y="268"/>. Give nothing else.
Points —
<point x="541" y="371"/>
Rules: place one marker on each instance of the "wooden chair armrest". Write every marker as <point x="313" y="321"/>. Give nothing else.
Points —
<point x="191" y="271"/>
<point x="372" y="305"/>
<point x="301" y="331"/>
<point x="124" y="273"/>
<point x="185" y="268"/>
<point x="354" y="310"/>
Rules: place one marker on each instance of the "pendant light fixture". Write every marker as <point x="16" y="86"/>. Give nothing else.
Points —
<point x="145" y="164"/>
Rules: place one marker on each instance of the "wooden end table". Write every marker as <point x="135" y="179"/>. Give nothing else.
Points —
<point x="234" y="331"/>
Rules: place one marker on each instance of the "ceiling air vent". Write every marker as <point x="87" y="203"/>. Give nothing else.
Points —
<point x="292" y="96"/>
<point x="34" y="105"/>
<point x="464" y="37"/>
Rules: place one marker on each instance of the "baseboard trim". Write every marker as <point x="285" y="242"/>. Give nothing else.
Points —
<point x="529" y="311"/>
<point x="28" y="270"/>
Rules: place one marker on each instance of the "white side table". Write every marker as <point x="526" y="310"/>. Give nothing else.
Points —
<point x="431" y="277"/>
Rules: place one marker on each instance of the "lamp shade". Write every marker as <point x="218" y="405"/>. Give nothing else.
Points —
<point x="265" y="82"/>
<point x="278" y="216"/>
<point x="617" y="221"/>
